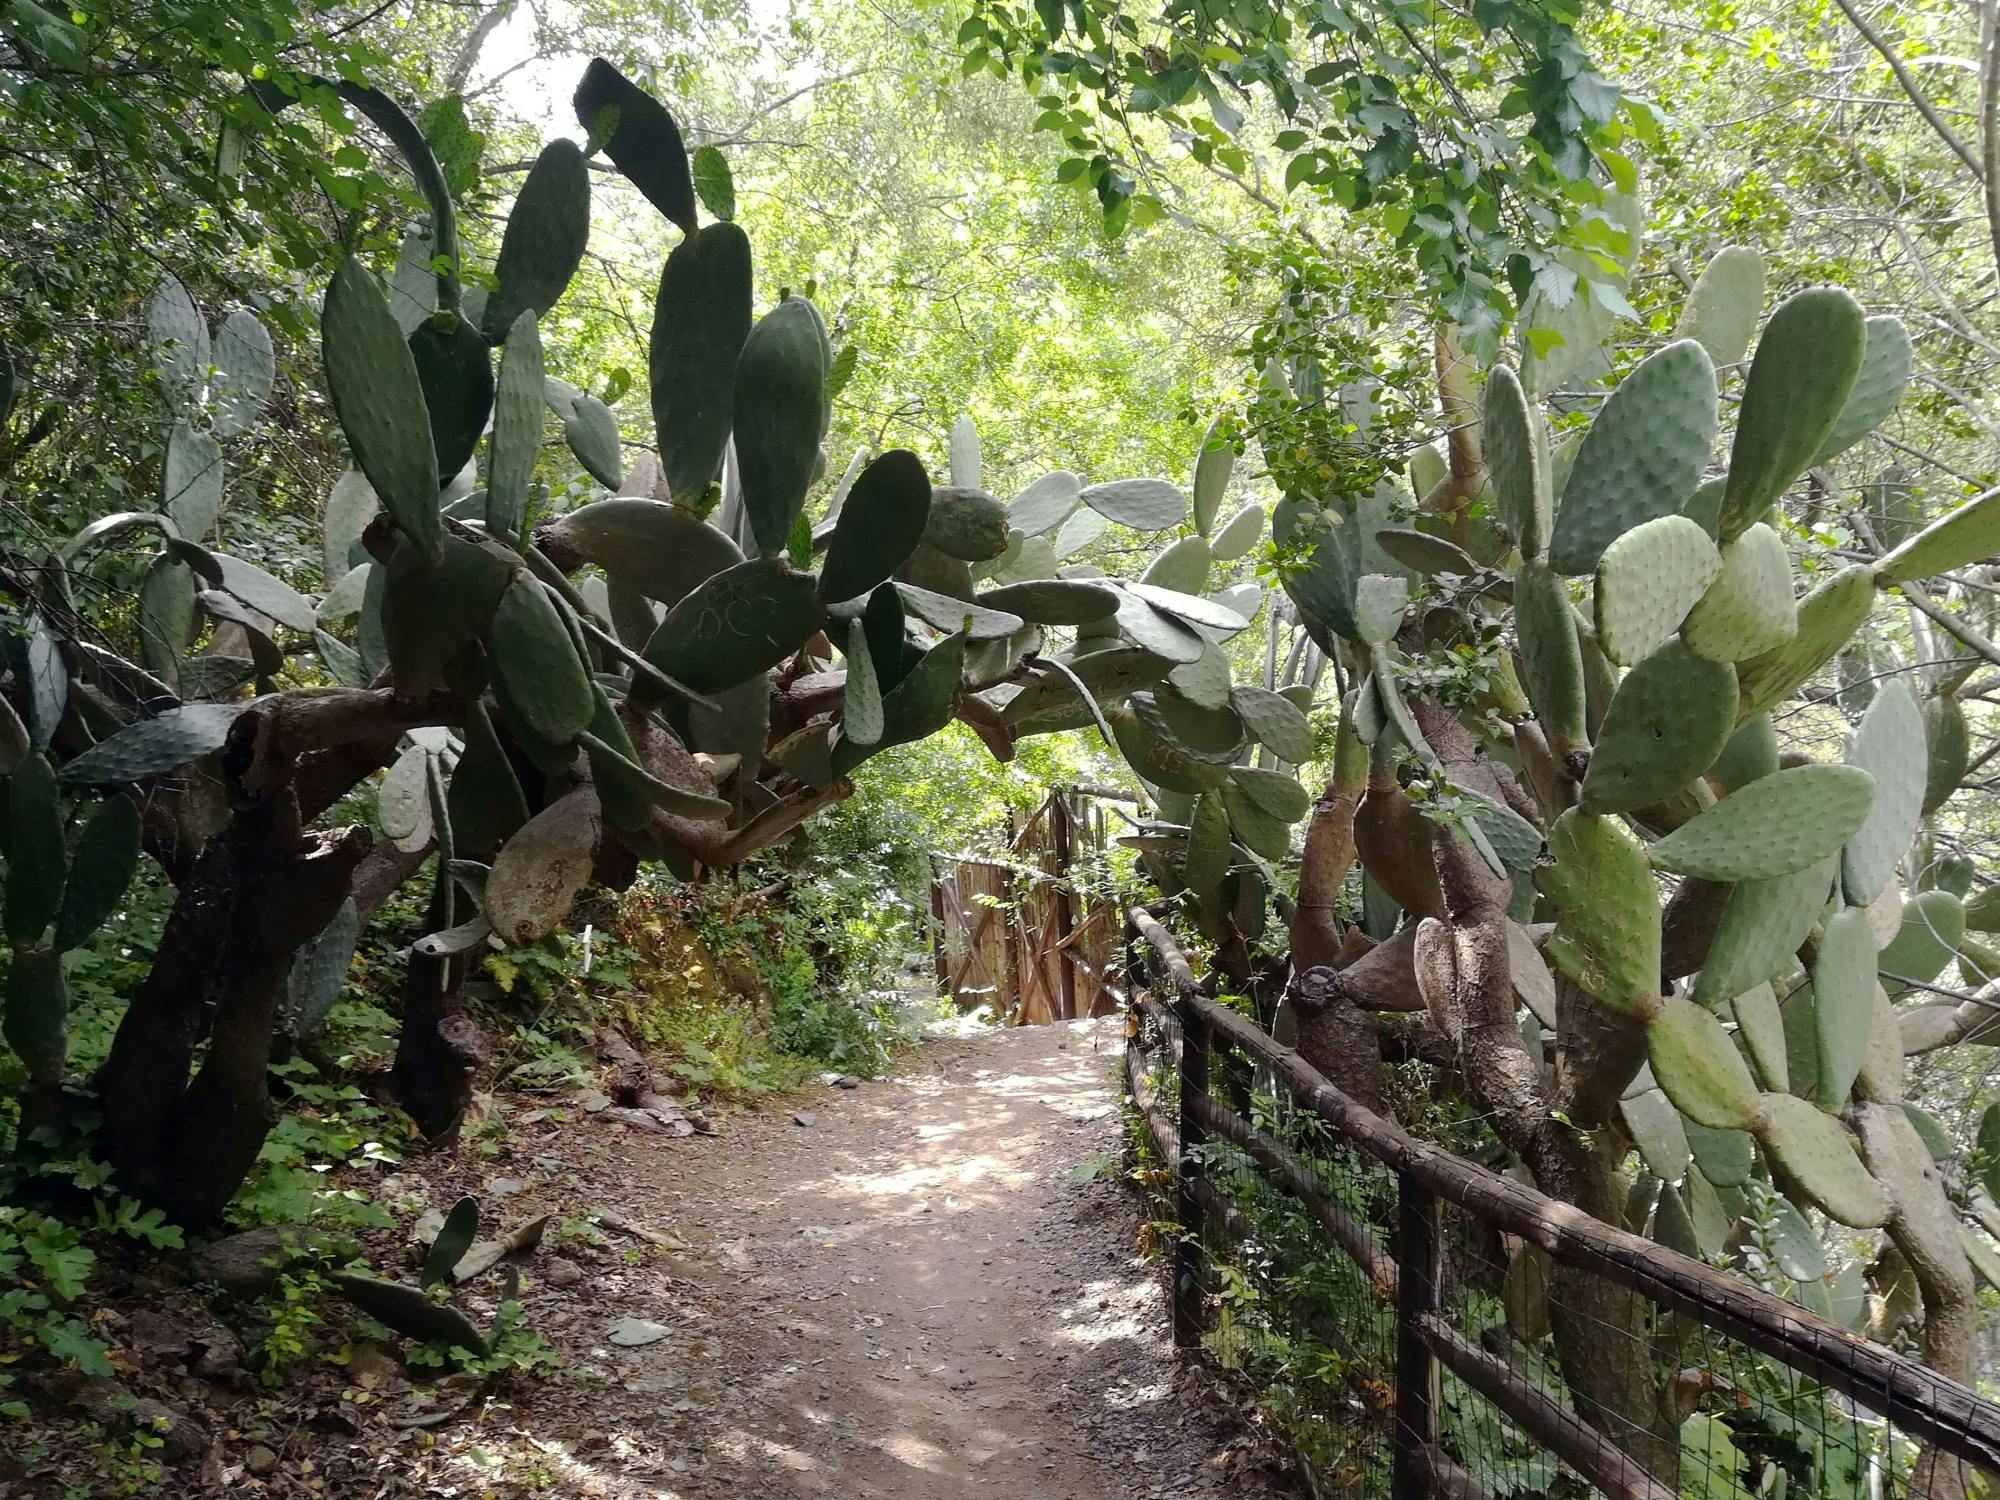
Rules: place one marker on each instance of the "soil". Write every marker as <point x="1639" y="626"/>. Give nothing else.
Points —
<point x="929" y="1285"/>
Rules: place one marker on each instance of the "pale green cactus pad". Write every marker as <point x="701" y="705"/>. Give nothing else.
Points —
<point x="1641" y="458"/>
<point x="1778" y="824"/>
<point x="1827" y="617"/>
<point x="537" y="663"/>
<point x="1815" y="1153"/>
<point x="1204" y="734"/>
<point x="1658" y="1133"/>
<point x="1666" y="723"/>
<point x="1721" y="311"/>
<point x="1947" y="750"/>
<point x="1275" y="722"/>
<point x="1046" y="503"/>
<point x="1751" y="752"/>
<point x="1749" y="608"/>
<point x="1516" y="460"/>
<point x="1647" y="581"/>
<point x="1607" y="937"/>
<point x="1843" y="1001"/>
<point x="1800" y="379"/>
<point x="1551" y="659"/>
<point x="1884" y="376"/>
<point x="1239" y="534"/>
<point x="1928" y="938"/>
<point x="1962" y="536"/>
<point x="1726" y="1158"/>
<point x="1698" y="1066"/>
<point x="1889" y="745"/>
<point x="1762" y="1029"/>
<point x="1156" y="759"/>
<point x="1761" y="927"/>
<point x="1183" y="566"/>
<point x="1212" y="467"/>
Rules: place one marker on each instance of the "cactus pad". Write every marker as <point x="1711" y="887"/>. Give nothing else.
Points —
<point x="1803" y="372"/>
<point x="1274" y="722"/>
<point x="944" y="612"/>
<point x="516" y="440"/>
<point x="1947" y="751"/>
<point x="36" y="1018"/>
<point x="1054" y="601"/>
<point x="1890" y="746"/>
<point x="736" y="625"/>
<point x="1254" y="824"/>
<point x="536" y="660"/>
<point x="1656" y="1130"/>
<point x="1046" y="503"/>
<point x="1157" y="760"/>
<point x="656" y="548"/>
<point x="1647" y="581"/>
<point x="967" y="524"/>
<point x="1141" y="504"/>
<point x="1963" y="536"/>
<point x="1932" y="927"/>
<point x="1516" y="460"/>
<point x="1641" y="458"/>
<point x="152" y="747"/>
<point x="1885" y="374"/>
<point x="100" y="869"/>
<point x="1425" y="554"/>
<point x="1762" y="1028"/>
<point x="1843" y="1001"/>
<point x="1607" y="937"/>
<point x="372" y="379"/>
<point x="1278" y="794"/>
<point x="1749" y="609"/>
<point x="1667" y="722"/>
<point x="1775" y="826"/>
<point x="1156" y="631"/>
<point x="883" y="518"/>
<point x="1550" y="655"/>
<point x="1721" y="310"/>
<point x="1815" y="1154"/>
<point x="1182" y="567"/>
<point x="780" y="416"/>
<point x="429" y="614"/>
<point x="1761" y="927"/>
<point x="1239" y="534"/>
<point x="1211" y="735"/>
<point x="1698" y="1066"/>
<point x="544" y="240"/>
<point x="1212" y="467"/>
<point x="701" y="318"/>
<point x="539" y="871"/>
<point x="644" y="144"/>
<point x="1827" y="617"/>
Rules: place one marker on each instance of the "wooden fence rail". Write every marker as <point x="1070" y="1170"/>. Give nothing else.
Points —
<point x="1929" y="1407"/>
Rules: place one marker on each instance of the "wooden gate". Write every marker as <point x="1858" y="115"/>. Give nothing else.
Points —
<point x="1033" y="931"/>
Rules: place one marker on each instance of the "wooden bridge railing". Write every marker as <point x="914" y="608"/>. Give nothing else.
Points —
<point x="1948" y="1417"/>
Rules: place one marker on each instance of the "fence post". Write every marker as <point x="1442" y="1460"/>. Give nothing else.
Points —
<point x="1059" y="828"/>
<point x="940" y="948"/>
<point x="1189" y="1259"/>
<point x="1416" y="1251"/>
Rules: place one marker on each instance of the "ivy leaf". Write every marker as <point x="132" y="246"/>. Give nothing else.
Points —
<point x="713" y="182"/>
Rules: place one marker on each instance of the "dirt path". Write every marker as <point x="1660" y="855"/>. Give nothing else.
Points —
<point x="923" y="1290"/>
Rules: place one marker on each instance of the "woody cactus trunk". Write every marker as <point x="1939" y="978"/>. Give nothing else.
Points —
<point x="1658" y="953"/>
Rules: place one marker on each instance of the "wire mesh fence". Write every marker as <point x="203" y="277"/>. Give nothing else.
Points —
<point x="1419" y="1325"/>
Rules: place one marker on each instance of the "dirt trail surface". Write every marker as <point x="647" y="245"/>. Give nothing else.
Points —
<point x="923" y="1286"/>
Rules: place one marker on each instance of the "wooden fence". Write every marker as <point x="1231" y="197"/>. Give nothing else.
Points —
<point x="1952" y="1434"/>
<point x="1035" y="931"/>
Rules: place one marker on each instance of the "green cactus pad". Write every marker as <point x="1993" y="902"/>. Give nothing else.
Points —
<point x="1190" y="609"/>
<point x="1827" y="617"/>
<point x="1881" y="1074"/>
<point x="1081" y="530"/>
<point x="1726" y="1158"/>
<point x="1698" y="1066"/>
<point x="1666" y="724"/>
<point x="1278" y="794"/>
<point x="1607" y="937"/>
<point x="455" y="369"/>
<point x="1795" y="1244"/>
<point x="460" y="1229"/>
<point x="546" y="682"/>
<point x="625" y="784"/>
<point x="1761" y="927"/>
<point x="737" y="625"/>
<point x="645" y="144"/>
<point x="880" y="524"/>
<point x="1647" y="581"/>
<point x="1214" y="736"/>
<point x="1982" y="910"/>
<point x="591" y="430"/>
<point x="701" y="318"/>
<point x="37" y="858"/>
<point x="1721" y="310"/>
<point x="1380" y="601"/>
<point x="485" y="802"/>
<point x="1804" y="370"/>
<point x="1641" y="458"/>
<point x="1932" y="928"/>
<point x="943" y="612"/>
<point x="780" y="417"/>
<point x="1207" y="861"/>
<point x="36" y="1020"/>
<point x="1656" y="1130"/>
<point x="1749" y="609"/>
<point x="1156" y="631"/>
<point x="1762" y="1028"/>
<point x="1322" y="585"/>
<point x="429" y="614"/>
<point x="861" y="697"/>
<point x="1141" y="504"/>
<point x="1212" y="468"/>
<point x="1550" y="655"/>
<point x="921" y="704"/>
<point x="177" y="337"/>
<point x="1051" y="702"/>
<point x="1054" y="601"/>
<point x="1884" y="376"/>
<point x="1275" y="722"/>
<point x="540" y="870"/>
<point x="1889" y="745"/>
<point x="1962" y="537"/>
<point x="1156" y="760"/>
<point x="372" y="379"/>
<point x="106" y="855"/>
<point x="1516" y="460"/>
<point x="166" y="617"/>
<point x="543" y="244"/>
<point x="1239" y="534"/>
<point x="1046" y="503"/>
<point x="661" y="550"/>
<point x="1205" y="681"/>
<point x="1182" y="567"/>
<point x="1816" y="1155"/>
<point x="1947" y="751"/>
<point x="516" y="441"/>
<point x="1425" y="554"/>
<point x="1254" y="824"/>
<point x="1775" y="826"/>
<point x="967" y="524"/>
<point x="1843" y="1001"/>
<point x="152" y="747"/>
<point x="1704" y="506"/>
<point x="191" y="476"/>
<point x="409" y="1311"/>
